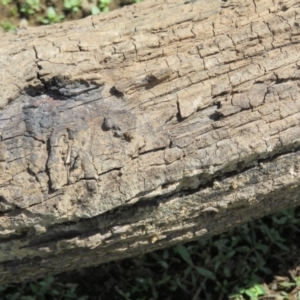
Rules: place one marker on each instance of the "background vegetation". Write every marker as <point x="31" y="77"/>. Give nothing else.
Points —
<point x="258" y="260"/>
<point x="23" y="13"/>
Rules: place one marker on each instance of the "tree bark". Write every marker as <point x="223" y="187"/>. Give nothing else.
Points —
<point x="149" y="126"/>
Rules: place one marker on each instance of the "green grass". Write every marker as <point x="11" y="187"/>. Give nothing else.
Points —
<point x="30" y="7"/>
<point x="43" y="12"/>
<point x="52" y="16"/>
<point x="7" y="26"/>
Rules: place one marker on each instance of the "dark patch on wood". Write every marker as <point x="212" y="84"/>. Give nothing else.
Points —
<point x="114" y="92"/>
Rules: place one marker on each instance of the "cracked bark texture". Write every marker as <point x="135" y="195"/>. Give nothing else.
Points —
<point x="149" y="126"/>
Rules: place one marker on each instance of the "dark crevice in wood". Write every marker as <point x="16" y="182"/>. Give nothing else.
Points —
<point x="47" y="170"/>
<point x="109" y="171"/>
<point x="178" y="115"/>
<point x="114" y="92"/>
<point x="152" y="150"/>
<point x="215" y="116"/>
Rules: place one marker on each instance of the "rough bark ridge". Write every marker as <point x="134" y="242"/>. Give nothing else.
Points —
<point x="149" y="126"/>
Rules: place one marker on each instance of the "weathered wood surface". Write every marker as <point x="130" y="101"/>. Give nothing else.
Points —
<point x="145" y="127"/>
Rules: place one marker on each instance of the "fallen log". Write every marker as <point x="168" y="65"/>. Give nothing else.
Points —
<point x="150" y="126"/>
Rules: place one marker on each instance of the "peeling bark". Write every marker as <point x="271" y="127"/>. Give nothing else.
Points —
<point x="149" y="126"/>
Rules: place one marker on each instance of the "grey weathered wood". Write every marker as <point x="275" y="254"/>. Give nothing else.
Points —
<point x="149" y="126"/>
